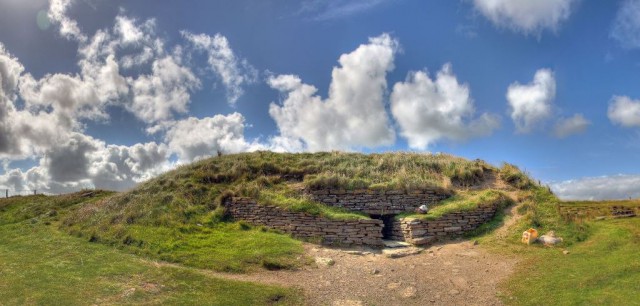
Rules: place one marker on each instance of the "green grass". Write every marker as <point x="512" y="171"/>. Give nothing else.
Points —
<point x="20" y="208"/>
<point x="42" y="266"/>
<point x="598" y="208"/>
<point x="298" y="203"/>
<point x="226" y="247"/>
<point x="541" y="210"/>
<point x="220" y="246"/>
<point x="464" y="201"/>
<point x="602" y="270"/>
<point x="178" y="215"/>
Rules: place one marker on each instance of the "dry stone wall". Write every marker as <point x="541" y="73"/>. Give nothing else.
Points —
<point x="303" y="225"/>
<point x="418" y="231"/>
<point x="377" y="202"/>
<point x="591" y="211"/>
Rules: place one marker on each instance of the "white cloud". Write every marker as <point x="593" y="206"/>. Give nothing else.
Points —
<point x="532" y="103"/>
<point x="528" y="16"/>
<point x="68" y="27"/>
<point x="84" y="162"/>
<point x="49" y="126"/>
<point x="194" y="138"/>
<point x="232" y="71"/>
<point x="165" y="91"/>
<point x="10" y="71"/>
<point x="121" y="167"/>
<point x="23" y="132"/>
<point x="353" y="115"/>
<point x="428" y="110"/>
<point x="599" y="188"/>
<point x="624" y="111"/>
<point x="570" y="126"/>
<point x="626" y="25"/>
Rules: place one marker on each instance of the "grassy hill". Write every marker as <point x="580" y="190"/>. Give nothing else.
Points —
<point x="178" y="216"/>
<point x="117" y="239"/>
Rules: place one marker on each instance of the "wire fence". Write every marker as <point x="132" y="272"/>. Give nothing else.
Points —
<point x="7" y="193"/>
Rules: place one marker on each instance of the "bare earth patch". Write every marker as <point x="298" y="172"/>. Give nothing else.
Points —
<point x="456" y="273"/>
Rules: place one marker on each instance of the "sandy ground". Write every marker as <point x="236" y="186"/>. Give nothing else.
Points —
<point x="455" y="273"/>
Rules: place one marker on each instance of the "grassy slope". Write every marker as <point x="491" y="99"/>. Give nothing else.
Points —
<point x="603" y="266"/>
<point x="178" y="217"/>
<point x="602" y="270"/>
<point x="41" y="265"/>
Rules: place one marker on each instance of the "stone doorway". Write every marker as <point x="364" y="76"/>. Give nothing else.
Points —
<point x="388" y="222"/>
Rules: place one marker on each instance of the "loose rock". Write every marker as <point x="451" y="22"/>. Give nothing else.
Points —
<point x="409" y="292"/>
<point x="324" y="261"/>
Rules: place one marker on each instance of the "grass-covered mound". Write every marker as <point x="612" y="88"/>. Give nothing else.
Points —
<point x="179" y="216"/>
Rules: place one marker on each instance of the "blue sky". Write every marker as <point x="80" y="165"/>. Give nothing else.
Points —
<point x="109" y="93"/>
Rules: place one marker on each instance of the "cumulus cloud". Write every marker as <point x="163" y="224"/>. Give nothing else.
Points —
<point x="194" y="138"/>
<point x="569" y="126"/>
<point x="121" y="167"/>
<point x="525" y="15"/>
<point x="624" y="111"/>
<point x="10" y="70"/>
<point x="353" y="115"/>
<point x="47" y="126"/>
<point x="599" y="188"/>
<point x="165" y="91"/>
<point x="232" y="71"/>
<point x="68" y="27"/>
<point x="428" y="110"/>
<point x="532" y="103"/>
<point x="626" y="26"/>
<point x="84" y="162"/>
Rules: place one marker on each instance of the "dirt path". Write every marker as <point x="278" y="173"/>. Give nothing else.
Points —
<point x="511" y="217"/>
<point x="453" y="273"/>
<point x="457" y="273"/>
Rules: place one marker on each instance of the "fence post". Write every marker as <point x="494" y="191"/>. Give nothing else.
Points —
<point x="7" y="194"/>
<point x="34" y="192"/>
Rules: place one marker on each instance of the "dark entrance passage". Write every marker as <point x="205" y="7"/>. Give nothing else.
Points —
<point x="387" y="220"/>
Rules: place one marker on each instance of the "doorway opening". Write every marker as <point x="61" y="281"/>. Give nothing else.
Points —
<point x="388" y="222"/>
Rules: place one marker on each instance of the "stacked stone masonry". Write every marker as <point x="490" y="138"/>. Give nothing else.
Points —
<point x="303" y="225"/>
<point x="377" y="202"/>
<point x="590" y="212"/>
<point x="418" y="231"/>
<point x="363" y="232"/>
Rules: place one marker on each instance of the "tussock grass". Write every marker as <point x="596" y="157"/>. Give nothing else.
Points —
<point x="176" y="215"/>
<point x="541" y="210"/>
<point x="465" y="201"/>
<point x="512" y="175"/>
<point x="168" y="216"/>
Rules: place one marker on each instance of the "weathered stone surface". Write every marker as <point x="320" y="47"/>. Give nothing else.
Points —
<point x="423" y="240"/>
<point x="377" y="201"/>
<point x="303" y="225"/>
<point x="364" y="232"/>
<point x="397" y="253"/>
